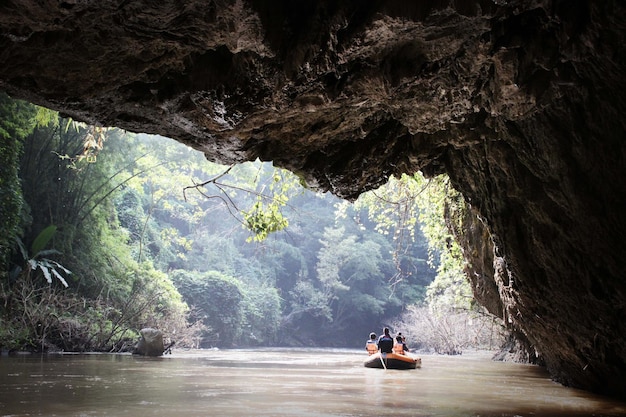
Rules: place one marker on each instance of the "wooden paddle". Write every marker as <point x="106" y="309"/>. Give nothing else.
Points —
<point x="383" y="361"/>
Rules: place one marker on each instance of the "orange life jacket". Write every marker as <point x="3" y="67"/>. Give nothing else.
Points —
<point x="398" y="348"/>
<point x="371" y="347"/>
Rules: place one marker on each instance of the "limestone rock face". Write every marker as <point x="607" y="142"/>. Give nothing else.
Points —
<point x="520" y="102"/>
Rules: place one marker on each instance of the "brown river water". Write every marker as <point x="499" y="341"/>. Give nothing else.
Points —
<point x="283" y="382"/>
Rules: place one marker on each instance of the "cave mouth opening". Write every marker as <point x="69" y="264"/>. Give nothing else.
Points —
<point x="520" y="103"/>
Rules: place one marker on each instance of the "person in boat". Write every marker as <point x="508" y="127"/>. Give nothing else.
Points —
<point x="399" y="346"/>
<point x="385" y="342"/>
<point x="371" y="345"/>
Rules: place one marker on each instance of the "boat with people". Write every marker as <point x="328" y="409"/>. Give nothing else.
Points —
<point x="392" y="361"/>
<point x="389" y="353"/>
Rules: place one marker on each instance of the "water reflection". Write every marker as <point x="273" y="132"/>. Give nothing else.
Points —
<point x="283" y="382"/>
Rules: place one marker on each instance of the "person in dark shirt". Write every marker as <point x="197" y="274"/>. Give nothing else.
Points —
<point x="385" y="342"/>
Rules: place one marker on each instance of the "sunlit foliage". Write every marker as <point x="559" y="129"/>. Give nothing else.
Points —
<point x="412" y="203"/>
<point x="215" y="255"/>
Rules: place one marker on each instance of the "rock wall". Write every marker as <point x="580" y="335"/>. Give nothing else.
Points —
<point x="521" y="103"/>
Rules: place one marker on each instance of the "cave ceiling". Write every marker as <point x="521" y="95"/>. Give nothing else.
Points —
<point x="521" y="103"/>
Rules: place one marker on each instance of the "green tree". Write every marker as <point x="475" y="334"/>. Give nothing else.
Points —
<point x="217" y="300"/>
<point x="262" y="315"/>
<point x="411" y="204"/>
<point x="439" y="207"/>
<point x="353" y="274"/>
<point x="66" y="185"/>
<point x="287" y="263"/>
<point x="16" y="122"/>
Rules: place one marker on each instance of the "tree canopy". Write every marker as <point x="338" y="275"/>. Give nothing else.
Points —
<point x="155" y="235"/>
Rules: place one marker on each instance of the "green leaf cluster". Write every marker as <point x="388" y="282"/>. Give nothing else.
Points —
<point x="263" y="219"/>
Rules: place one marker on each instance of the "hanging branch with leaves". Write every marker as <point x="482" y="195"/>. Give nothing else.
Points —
<point x="265" y="216"/>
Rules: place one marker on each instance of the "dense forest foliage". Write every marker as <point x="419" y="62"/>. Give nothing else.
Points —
<point x="105" y="232"/>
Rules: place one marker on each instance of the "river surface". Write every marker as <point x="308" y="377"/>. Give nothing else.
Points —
<point x="283" y="382"/>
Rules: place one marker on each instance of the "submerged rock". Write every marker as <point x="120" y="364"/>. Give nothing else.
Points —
<point x="150" y="343"/>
